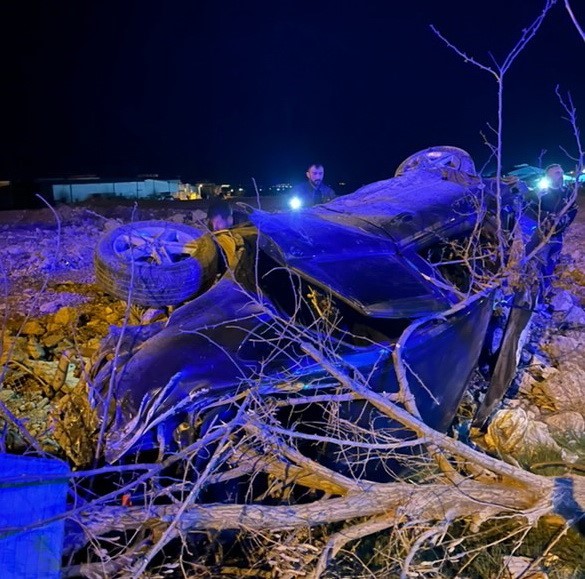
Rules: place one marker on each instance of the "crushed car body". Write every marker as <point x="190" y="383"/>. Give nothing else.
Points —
<point x="344" y="279"/>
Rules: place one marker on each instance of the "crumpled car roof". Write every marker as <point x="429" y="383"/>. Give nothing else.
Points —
<point x="357" y="246"/>
<point x="405" y="206"/>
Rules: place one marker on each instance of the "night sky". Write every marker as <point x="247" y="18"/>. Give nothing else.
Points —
<point x="227" y="90"/>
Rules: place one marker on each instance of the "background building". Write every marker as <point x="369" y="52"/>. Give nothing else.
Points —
<point x="82" y="188"/>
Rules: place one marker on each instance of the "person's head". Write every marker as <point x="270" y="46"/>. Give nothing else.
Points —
<point x="555" y="174"/>
<point x="219" y="215"/>
<point x="315" y="174"/>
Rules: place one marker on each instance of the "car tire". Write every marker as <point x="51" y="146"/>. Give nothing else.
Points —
<point x="437" y="158"/>
<point x="155" y="263"/>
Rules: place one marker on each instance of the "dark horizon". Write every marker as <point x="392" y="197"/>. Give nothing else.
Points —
<point x="229" y="92"/>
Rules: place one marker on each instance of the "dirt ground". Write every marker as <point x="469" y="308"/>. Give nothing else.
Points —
<point x="54" y="318"/>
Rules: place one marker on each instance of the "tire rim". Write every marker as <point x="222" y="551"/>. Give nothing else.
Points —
<point x="153" y="245"/>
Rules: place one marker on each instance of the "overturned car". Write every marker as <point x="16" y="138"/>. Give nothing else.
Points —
<point x="392" y="289"/>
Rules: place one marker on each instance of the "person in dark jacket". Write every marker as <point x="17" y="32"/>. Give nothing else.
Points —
<point x="555" y="195"/>
<point x="555" y="208"/>
<point x="313" y="191"/>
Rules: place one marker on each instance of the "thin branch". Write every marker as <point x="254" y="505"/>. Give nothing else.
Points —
<point x="570" y="11"/>
<point x="338" y="540"/>
<point x="466" y="58"/>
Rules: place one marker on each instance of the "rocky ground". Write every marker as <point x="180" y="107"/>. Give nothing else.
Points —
<point x="54" y="317"/>
<point x="541" y="424"/>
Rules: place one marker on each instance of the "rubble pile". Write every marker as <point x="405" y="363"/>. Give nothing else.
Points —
<point x="545" y="416"/>
<point x="53" y="320"/>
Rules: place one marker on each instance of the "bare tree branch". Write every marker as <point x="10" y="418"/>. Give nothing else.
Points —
<point x="575" y="22"/>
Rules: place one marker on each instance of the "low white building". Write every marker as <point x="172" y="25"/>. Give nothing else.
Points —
<point x="75" y="190"/>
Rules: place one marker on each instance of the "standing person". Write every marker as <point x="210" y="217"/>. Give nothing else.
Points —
<point x="554" y="199"/>
<point x="556" y="194"/>
<point x="313" y="191"/>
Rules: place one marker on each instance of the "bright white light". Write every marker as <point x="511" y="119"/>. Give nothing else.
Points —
<point x="544" y="183"/>
<point x="295" y="203"/>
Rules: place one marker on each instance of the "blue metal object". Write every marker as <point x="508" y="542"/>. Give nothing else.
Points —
<point x="33" y="495"/>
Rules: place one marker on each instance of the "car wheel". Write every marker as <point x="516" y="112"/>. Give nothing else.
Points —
<point x="155" y="263"/>
<point x="437" y="158"/>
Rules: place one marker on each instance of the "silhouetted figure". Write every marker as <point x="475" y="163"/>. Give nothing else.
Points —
<point x="219" y="215"/>
<point x="551" y="201"/>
